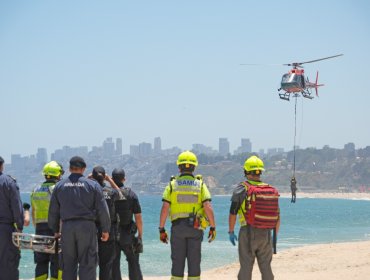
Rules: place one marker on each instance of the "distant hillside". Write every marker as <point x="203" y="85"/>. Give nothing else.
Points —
<point x="316" y="170"/>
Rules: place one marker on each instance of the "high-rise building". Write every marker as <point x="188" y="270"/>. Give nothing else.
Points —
<point x="145" y="149"/>
<point x="246" y="146"/>
<point x="119" y="146"/>
<point x="134" y="150"/>
<point x="203" y="149"/>
<point x="108" y="147"/>
<point x="64" y="154"/>
<point x="223" y="146"/>
<point x="157" y="145"/>
<point x="16" y="160"/>
<point x="41" y="156"/>
<point x="349" y="147"/>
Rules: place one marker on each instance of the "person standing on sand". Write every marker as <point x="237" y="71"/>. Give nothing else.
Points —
<point x="11" y="220"/>
<point x="128" y="210"/>
<point x="40" y="200"/>
<point x="257" y="205"/>
<point x="79" y="203"/>
<point x="188" y="200"/>
<point x="107" y="248"/>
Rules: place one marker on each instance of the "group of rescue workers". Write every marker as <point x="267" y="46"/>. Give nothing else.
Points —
<point x="96" y="217"/>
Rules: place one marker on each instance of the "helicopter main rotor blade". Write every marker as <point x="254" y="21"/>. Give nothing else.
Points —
<point x="257" y="64"/>
<point x="300" y="63"/>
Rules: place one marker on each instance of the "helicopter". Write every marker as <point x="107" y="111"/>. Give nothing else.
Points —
<point x="294" y="82"/>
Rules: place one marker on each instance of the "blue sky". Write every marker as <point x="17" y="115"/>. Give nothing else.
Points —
<point x="75" y="72"/>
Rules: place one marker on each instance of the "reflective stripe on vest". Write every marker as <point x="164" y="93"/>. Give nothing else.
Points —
<point x="40" y="200"/>
<point x="241" y="216"/>
<point x="185" y="198"/>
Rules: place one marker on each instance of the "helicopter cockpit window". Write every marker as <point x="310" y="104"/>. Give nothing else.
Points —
<point x="285" y="78"/>
<point x="289" y="78"/>
<point x="294" y="78"/>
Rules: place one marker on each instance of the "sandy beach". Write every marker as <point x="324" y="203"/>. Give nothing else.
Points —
<point x="341" y="261"/>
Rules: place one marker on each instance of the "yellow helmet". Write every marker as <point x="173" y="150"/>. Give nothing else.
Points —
<point x="52" y="169"/>
<point x="254" y="163"/>
<point x="187" y="157"/>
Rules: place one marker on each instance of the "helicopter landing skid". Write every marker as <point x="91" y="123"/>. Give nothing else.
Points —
<point x="284" y="96"/>
<point x="307" y="94"/>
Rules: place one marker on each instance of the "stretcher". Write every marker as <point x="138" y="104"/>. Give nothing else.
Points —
<point x="37" y="243"/>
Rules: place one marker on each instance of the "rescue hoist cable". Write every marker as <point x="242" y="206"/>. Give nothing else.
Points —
<point x="295" y="134"/>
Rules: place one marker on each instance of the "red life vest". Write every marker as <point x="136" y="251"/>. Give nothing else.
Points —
<point x="262" y="206"/>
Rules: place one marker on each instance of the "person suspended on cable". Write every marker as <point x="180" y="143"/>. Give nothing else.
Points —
<point x="293" y="188"/>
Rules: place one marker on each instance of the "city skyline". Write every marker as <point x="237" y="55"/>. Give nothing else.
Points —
<point x="110" y="148"/>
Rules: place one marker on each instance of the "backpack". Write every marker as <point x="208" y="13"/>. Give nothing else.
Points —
<point x="262" y="206"/>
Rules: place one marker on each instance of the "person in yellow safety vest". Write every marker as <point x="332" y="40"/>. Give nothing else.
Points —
<point x="40" y="200"/>
<point x="188" y="202"/>
<point x="254" y="241"/>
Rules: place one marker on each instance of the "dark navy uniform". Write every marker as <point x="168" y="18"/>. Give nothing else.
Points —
<point x="11" y="216"/>
<point x="126" y="208"/>
<point x="79" y="203"/>
<point x="108" y="249"/>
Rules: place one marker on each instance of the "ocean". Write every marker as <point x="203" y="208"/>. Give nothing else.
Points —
<point x="308" y="221"/>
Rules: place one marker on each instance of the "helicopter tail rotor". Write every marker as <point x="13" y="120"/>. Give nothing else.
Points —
<point x="317" y="85"/>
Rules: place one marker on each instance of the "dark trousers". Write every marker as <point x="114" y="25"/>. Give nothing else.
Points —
<point x="125" y="244"/>
<point x="9" y="254"/>
<point x="106" y="257"/>
<point x="186" y="244"/>
<point x="79" y="250"/>
<point x="43" y="260"/>
<point x="255" y="243"/>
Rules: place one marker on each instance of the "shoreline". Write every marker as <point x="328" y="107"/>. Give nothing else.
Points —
<point x="327" y="195"/>
<point x="339" y="261"/>
<point x="330" y="195"/>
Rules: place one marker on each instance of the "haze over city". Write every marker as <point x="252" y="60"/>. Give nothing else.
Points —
<point x="73" y="73"/>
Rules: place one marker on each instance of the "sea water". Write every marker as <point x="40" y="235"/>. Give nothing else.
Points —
<point x="308" y="221"/>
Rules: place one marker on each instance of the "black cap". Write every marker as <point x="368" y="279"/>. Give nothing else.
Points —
<point x="98" y="170"/>
<point x="118" y="173"/>
<point x="1" y="160"/>
<point x="78" y="162"/>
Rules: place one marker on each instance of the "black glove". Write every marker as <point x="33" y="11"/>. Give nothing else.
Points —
<point x="163" y="235"/>
<point x="211" y="234"/>
<point x="138" y="245"/>
<point x="26" y="206"/>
